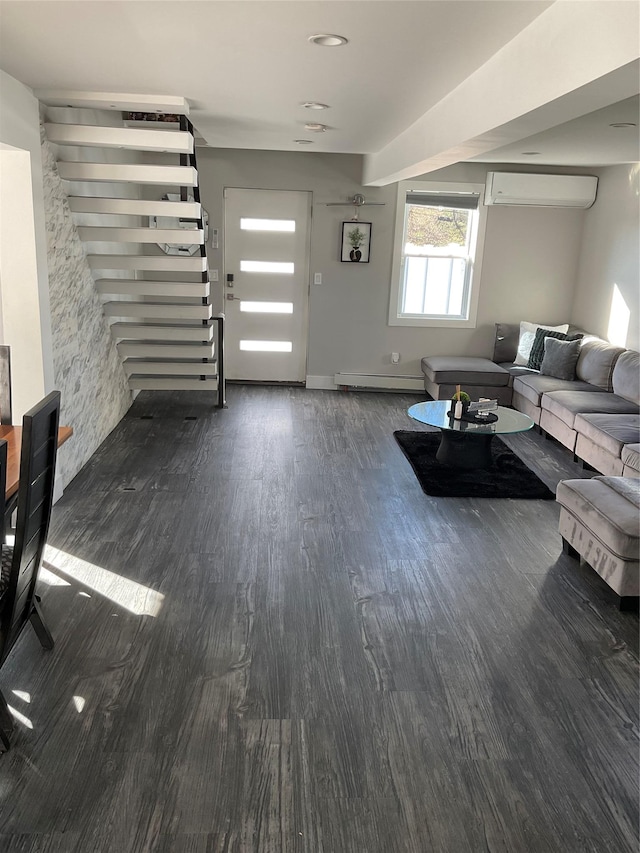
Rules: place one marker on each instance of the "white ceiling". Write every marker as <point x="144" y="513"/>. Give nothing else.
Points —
<point x="245" y="67"/>
<point x="586" y="141"/>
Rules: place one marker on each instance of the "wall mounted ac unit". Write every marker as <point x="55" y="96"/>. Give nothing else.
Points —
<point x="518" y="188"/>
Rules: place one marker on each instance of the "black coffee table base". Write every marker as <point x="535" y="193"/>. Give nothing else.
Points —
<point x="462" y="450"/>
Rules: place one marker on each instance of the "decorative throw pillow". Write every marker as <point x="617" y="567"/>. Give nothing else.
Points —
<point x="537" y="350"/>
<point x="560" y="358"/>
<point x="527" y="337"/>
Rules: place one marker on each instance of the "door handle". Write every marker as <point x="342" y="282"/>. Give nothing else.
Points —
<point x="231" y="296"/>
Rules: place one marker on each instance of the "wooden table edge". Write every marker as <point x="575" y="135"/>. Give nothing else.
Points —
<point x="13" y="436"/>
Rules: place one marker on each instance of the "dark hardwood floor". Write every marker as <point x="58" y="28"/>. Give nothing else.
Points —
<point x="269" y="639"/>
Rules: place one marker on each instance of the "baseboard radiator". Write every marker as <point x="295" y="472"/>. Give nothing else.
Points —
<point x="379" y="381"/>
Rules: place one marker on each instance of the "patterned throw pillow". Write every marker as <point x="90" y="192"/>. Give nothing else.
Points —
<point x="527" y="336"/>
<point x="537" y="350"/>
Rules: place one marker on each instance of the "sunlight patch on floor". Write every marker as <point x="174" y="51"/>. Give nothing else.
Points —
<point x="50" y="578"/>
<point x="126" y="593"/>
<point x="26" y="722"/>
<point x="22" y="694"/>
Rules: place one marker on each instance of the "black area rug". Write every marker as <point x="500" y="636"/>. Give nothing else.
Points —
<point x="508" y="478"/>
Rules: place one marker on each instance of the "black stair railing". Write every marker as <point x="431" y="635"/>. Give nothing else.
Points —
<point x="219" y="319"/>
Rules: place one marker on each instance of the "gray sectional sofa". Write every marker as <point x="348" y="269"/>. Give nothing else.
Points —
<point x="595" y="415"/>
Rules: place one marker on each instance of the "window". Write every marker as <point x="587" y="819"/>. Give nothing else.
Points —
<point x="436" y="270"/>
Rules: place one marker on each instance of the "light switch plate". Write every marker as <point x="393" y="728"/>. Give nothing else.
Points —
<point x="317" y="278"/>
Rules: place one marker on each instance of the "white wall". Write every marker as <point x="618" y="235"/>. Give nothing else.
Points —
<point x="28" y="332"/>
<point x="610" y="257"/>
<point x="52" y="316"/>
<point x="19" y="278"/>
<point x="529" y="266"/>
<point x="88" y="370"/>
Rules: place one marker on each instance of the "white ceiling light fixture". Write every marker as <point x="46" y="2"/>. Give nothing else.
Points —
<point x="328" y="40"/>
<point x="314" y="105"/>
<point x="315" y="127"/>
<point x="623" y="124"/>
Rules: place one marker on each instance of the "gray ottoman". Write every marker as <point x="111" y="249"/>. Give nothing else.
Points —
<point x="600" y="522"/>
<point x="630" y="456"/>
<point x="479" y="377"/>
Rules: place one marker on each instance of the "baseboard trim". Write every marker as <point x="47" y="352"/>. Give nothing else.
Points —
<point x="380" y="381"/>
<point x="321" y="383"/>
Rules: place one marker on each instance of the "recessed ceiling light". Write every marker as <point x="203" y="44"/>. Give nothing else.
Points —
<point x="303" y="141"/>
<point x="314" y="105"/>
<point x="529" y="153"/>
<point x="315" y="127"/>
<point x="328" y="40"/>
<point x="623" y="124"/>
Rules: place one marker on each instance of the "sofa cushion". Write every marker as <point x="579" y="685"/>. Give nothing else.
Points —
<point x="631" y="456"/>
<point x="560" y="359"/>
<point x="626" y="376"/>
<point x="596" y="362"/>
<point x="611" y="432"/>
<point x="565" y="405"/>
<point x="463" y="370"/>
<point x="518" y="369"/>
<point x="608" y="507"/>
<point x="527" y="337"/>
<point x="535" y="385"/>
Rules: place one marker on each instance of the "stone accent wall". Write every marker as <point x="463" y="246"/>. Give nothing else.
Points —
<point x="88" y="371"/>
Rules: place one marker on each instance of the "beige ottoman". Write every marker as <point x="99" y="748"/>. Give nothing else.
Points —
<point x="600" y="522"/>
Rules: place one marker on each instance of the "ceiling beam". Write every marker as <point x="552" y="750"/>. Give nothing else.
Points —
<point x="571" y="60"/>
<point x="79" y="99"/>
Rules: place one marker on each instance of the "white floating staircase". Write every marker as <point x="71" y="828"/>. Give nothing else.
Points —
<point x="161" y="302"/>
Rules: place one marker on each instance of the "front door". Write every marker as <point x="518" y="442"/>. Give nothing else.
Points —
<point x="267" y="253"/>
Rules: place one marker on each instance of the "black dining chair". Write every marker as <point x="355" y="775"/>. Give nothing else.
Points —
<point x="19" y="603"/>
<point x="6" y="416"/>
<point x="5" y="717"/>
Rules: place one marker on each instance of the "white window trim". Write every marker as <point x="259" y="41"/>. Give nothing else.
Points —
<point x="476" y="272"/>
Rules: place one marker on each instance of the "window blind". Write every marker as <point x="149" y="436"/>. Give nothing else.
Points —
<point x="464" y="202"/>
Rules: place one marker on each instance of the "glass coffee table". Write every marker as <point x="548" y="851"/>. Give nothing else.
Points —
<point x="464" y="444"/>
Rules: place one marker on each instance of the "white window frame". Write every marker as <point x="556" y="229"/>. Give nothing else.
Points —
<point x="396" y="316"/>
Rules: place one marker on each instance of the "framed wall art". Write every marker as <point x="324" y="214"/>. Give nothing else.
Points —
<point x="356" y="242"/>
